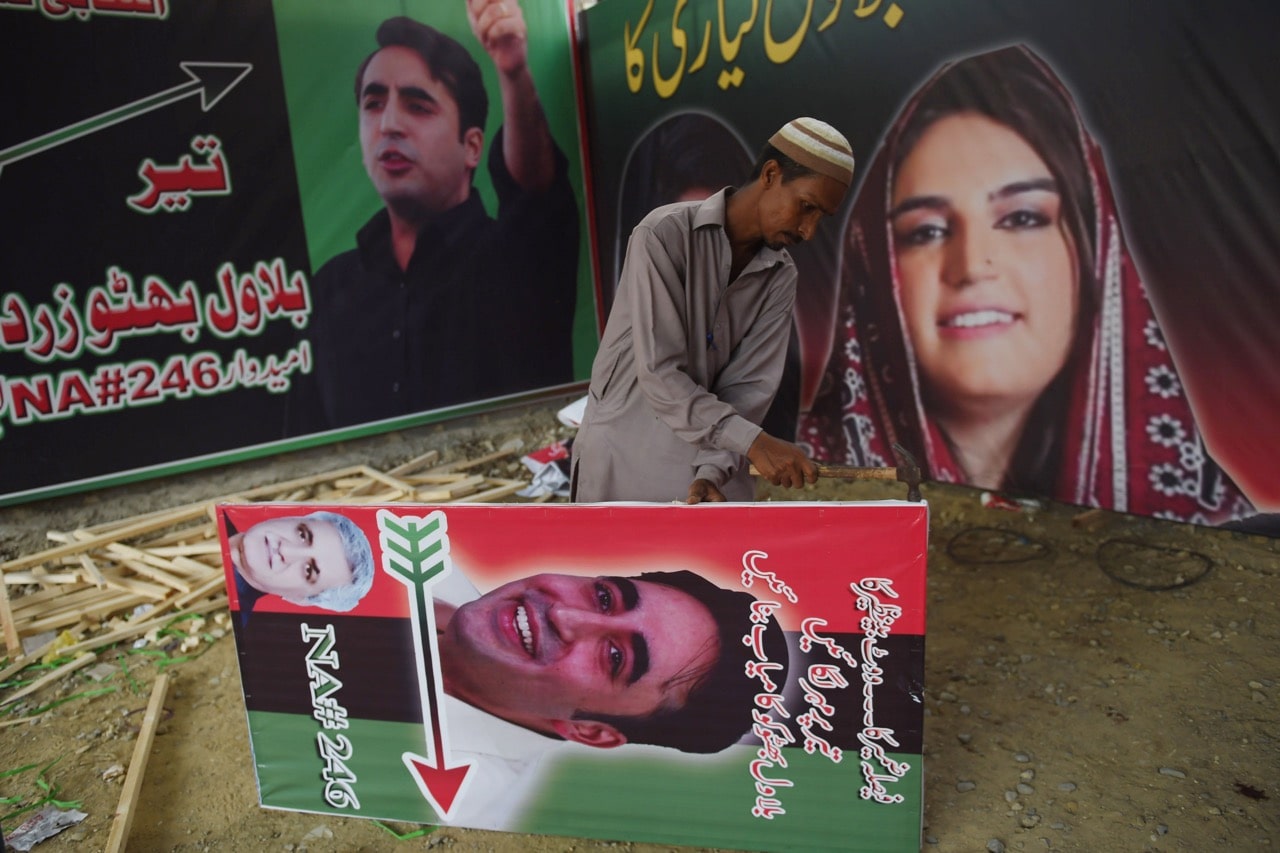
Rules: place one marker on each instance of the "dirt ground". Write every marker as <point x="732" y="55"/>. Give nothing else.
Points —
<point x="1093" y="682"/>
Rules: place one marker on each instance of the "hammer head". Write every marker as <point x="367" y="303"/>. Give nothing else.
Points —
<point x="908" y="471"/>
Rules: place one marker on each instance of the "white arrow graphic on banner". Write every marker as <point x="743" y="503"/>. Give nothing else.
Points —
<point x="415" y="551"/>
<point x="210" y="80"/>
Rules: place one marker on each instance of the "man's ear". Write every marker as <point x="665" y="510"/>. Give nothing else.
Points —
<point x="589" y="733"/>
<point x="473" y="142"/>
<point x="770" y="173"/>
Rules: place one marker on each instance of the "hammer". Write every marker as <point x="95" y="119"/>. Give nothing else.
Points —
<point x="908" y="471"/>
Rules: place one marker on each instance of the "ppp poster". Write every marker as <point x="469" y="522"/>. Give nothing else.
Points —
<point x="1103" y="338"/>
<point x="182" y="173"/>
<point x="732" y="676"/>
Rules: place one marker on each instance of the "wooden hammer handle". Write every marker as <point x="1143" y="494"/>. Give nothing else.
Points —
<point x="845" y="472"/>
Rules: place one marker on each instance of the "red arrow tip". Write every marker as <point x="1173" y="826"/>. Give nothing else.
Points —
<point x="439" y="784"/>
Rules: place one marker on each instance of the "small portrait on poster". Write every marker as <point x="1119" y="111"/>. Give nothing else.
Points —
<point x="316" y="559"/>
<point x="442" y="302"/>
<point x="990" y="316"/>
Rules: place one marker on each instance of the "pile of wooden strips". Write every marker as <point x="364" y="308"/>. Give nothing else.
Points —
<point x="171" y="560"/>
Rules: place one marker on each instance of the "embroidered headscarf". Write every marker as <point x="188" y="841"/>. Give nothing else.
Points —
<point x="1114" y="428"/>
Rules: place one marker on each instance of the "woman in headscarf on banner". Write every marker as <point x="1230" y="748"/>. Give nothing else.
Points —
<point x="991" y="319"/>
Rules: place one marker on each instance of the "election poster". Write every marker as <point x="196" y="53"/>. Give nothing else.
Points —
<point x="1055" y="273"/>
<point x="740" y="676"/>
<point x="183" y="278"/>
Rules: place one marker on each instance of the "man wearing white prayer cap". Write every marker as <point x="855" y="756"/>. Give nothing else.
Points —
<point x="694" y="347"/>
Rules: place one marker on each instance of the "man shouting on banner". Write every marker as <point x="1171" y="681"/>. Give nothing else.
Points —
<point x="656" y="659"/>
<point x="439" y="303"/>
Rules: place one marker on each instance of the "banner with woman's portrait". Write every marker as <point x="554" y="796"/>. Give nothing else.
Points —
<point x="1056" y="273"/>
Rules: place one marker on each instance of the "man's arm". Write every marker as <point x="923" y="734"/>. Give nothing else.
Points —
<point x="781" y="462"/>
<point x="527" y="147"/>
<point x="653" y="285"/>
<point x="714" y="422"/>
<point x="703" y="491"/>
<point x="748" y="383"/>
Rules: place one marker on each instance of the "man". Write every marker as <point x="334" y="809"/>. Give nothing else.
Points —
<point x="317" y="560"/>
<point x="439" y="303"/>
<point x="604" y="661"/>
<point x="601" y="662"/>
<point x="697" y="337"/>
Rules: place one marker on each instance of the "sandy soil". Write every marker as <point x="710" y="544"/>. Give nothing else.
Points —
<point x="1092" y="683"/>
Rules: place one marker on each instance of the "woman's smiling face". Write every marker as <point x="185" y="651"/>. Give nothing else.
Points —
<point x="986" y="269"/>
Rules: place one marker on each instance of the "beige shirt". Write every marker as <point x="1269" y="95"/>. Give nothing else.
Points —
<point x="689" y="362"/>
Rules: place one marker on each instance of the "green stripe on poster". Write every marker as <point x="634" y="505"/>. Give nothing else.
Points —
<point x="370" y="781"/>
<point x="708" y="800"/>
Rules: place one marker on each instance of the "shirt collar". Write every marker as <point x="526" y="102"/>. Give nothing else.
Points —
<point x="712" y="211"/>
<point x="374" y="239"/>
<point x="476" y="731"/>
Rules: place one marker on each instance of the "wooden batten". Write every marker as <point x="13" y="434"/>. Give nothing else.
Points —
<point x="171" y="558"/>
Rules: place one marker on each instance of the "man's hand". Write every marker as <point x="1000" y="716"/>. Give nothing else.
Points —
<point x="527" y="148"/>
<point x="781" y="462"/>
<point x="500" y="27"/>
<point x="703" y="491"/>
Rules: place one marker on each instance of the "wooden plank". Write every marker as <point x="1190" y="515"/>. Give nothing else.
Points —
<point x="397" y="472"/>
<point x="24" y="606"/>
<point x="502" y="452"/>
<point x="47" y="599"/>
<point x="135" y="529"/>
<point x="156" y="520"/>
<point x="123" y="821"/>
<point x="176" y="549"/>
<point x="207" y="531"/>
<point x="415" y="464"/>
<point x="65" y="669"/>
<point x="350" y="482"/>
<point x="505" y="488"/>
<point x="23" y="661"/>
<point x="399" y="485"/>
<point x="76" y="604"/>
<point x="115" y="580"/>
<point x="452" y="491"/>
<point x="435" y="479"/>
<point x="242" y="496"/>
<point x="42" y="578"/>
<point x="91" y="572"/>
<point x="193" y="569"/>
<point x="129" y="630"/>
<point x="212" y="585"/>
<point x="12" y="642"/>
<point x="19" y="721"/>
<point x="126" y="632"/>
<point x="197" y="549"/>
<point x="138" y="561"/>
<point x="98" y="609"/>
<point x="393" y="496"/>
